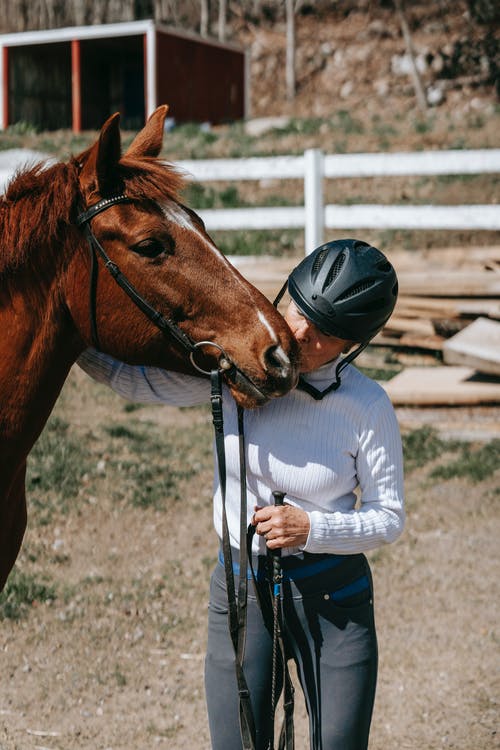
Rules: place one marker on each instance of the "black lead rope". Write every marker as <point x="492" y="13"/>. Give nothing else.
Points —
<point x="272" y="612"/>
<point x="236" y="607"/>
<point x="286" y="739"/>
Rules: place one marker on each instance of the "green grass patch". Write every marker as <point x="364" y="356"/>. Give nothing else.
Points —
<point x="299" y="126"/>
<point x="130" y="406"/>
<point x="276" y="243"/>
<point x="200" y="197"/>
<point x="21" y="592"/>
<point x="344" y="121"/>
<point x="56" y="466"/>
<point x="475" y="465"/>
<point x="151" y="466"/>
<point x="422" y="125"/>
<point x="379" y="373"/>
<point x="422" y="446"/>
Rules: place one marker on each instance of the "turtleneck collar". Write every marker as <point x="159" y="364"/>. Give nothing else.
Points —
<point x="325" y="373"/>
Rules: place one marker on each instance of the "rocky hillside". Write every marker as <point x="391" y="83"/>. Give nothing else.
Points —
<point x="350" y="54"/>
<point x="356" y="58"/>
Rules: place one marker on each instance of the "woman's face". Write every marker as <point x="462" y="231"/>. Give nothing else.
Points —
<point x="316" y="348"/>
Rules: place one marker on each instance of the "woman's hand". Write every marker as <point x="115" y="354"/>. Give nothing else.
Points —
<point x="281" y="525"/>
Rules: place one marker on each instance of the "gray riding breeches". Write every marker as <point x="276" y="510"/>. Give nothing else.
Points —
<point x="329" y="631"/>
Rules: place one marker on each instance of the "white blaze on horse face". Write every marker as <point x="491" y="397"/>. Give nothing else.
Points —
<point x="177" y="215"/>
<point x="267" y="325"/>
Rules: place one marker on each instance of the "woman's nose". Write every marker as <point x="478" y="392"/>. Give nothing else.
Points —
<point x="302" y="330"/>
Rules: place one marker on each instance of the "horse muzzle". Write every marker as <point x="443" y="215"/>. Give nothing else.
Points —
<point x="280" y="376"/>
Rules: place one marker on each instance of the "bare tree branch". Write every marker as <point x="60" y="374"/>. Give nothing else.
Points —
<point x="205" y="18"/>
<point x="222" y="20"/>
<point x="290" y="50"/>
<point x="417" y="81"/>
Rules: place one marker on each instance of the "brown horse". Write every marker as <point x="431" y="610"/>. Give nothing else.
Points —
<point x="47" y="317"/>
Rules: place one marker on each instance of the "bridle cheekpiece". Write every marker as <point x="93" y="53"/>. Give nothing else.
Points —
<point x="166" y="325"/>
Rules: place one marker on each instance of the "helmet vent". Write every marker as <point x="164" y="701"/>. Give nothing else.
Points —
<point x="319" y="260"/>
<point x="384" y="266"/>
<point x="335" y="269"/>
<point x="354" y="290"/>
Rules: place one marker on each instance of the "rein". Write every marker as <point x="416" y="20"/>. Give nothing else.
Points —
<point x="237" y="604"/>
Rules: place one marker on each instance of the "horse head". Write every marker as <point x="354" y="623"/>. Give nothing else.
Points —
<point x="162" y="249"/>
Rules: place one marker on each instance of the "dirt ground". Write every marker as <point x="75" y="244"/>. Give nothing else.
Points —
<point x="115" y="660"/>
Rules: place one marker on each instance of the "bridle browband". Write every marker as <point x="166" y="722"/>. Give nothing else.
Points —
<point x="166" y="325"/>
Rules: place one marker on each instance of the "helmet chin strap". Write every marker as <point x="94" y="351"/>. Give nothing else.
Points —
<point x="348" y="359"/>
<point x="317" y="395"/>
<point x="280" y="294"/>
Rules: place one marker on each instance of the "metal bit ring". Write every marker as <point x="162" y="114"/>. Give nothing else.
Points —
<point x="224" y="361"/>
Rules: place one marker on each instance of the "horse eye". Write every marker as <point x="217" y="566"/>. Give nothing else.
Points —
<point x="152" y="247"/>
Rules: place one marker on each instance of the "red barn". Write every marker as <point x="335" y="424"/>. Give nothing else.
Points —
<point x="76" y="77"/>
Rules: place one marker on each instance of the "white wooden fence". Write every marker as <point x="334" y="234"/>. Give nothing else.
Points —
<point x="314" y="166"/>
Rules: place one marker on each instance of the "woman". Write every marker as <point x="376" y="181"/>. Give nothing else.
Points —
<point x="333" y="447"/>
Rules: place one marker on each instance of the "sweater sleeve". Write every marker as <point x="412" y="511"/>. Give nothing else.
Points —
<point x="379" y="516"/>
<point x="144" y="384"/>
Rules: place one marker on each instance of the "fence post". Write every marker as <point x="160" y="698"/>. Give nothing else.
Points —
<point x="313" y="198"/>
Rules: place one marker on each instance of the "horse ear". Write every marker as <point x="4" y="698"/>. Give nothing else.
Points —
<point x="99" y="162"/>
<point x="149" y="141"/>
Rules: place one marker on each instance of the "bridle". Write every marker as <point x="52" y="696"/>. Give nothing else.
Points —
<point x="166" y="325"/>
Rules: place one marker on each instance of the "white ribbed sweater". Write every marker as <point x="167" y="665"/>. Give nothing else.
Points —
<point x="317" y="452"/>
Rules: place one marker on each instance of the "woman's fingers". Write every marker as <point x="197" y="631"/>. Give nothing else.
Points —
<point x="282" y="526"/>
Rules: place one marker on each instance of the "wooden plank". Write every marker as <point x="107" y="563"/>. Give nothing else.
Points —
<point x="408" y="341"/>
<point x="445" y="307"/>
<point x="413" y="340"/>
<point x="487" y="307"/>
<point x="477" y="345"/>
<point x="379" y="216"/>
<point x="453" y="161"/>
<point x="426" y="306"/>
<point x="420" y="326"/>
<point x="448" y="283"/>
<point x="450" y="257"/>
<point x="433" y="386"/>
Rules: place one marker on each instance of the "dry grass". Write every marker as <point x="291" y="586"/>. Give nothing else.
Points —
<point x="110" y="653"/>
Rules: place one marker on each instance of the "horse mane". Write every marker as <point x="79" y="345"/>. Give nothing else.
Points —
<point x="37" y="203"/>
<point x="41" y="202"/>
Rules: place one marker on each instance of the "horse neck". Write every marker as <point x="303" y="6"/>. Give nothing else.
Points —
<point x="37" y="348"/>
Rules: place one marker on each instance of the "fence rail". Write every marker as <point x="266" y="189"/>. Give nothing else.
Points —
<point x="314" y="166"/>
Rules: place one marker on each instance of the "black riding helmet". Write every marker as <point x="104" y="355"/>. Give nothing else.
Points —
<point x="347" y="288"/>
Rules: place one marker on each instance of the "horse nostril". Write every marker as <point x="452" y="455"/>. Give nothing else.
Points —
<point x="277" y="363"/>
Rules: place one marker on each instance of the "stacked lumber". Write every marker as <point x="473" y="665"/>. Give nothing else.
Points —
<point x="477" y="345"/>
<point x="434" y="386"/>
<point x="452" y="308"/>
<point x="442" y="292"/>
<point x="456" y="287"/>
